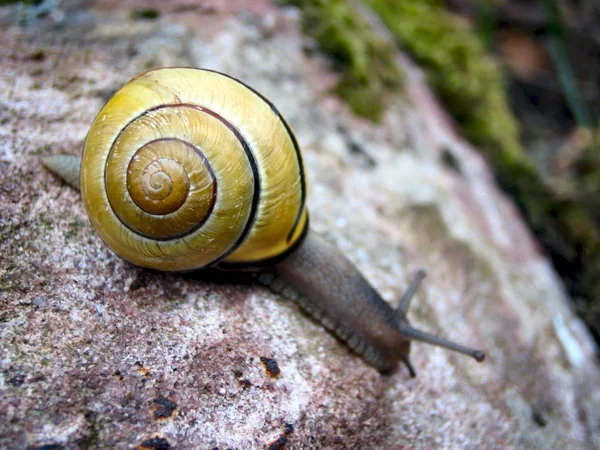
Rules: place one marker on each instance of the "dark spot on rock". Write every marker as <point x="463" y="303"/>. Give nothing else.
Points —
<point x="244" y="383"/>
<point x="164" y="408"/>
<point x="271" y="366"/>
<point x="238" y="373"/>
<point x="142" y="370"/>
<point x="288" y="429"/>
<point x="450" y="161"/>
<point x="47" y="447"/>
<point x="139" y="282"/>
<point x="38" y="55"/>
<point x="118" y="375"/>
<point x="538" y="417"/>
<point x="37" y="378"/>
<point x="155" y="443"/>
<point x="278" y="444"/>
<point x="145" y="14"/>
<point x="360" y="154"/>
<point x="17" y="380"/>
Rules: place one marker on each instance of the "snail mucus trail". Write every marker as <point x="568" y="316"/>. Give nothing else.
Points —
<point x="188" y="168"/>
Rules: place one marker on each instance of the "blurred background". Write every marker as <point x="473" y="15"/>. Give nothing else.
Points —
<point x="521" y="79"/>
<point x="549" y="51"/>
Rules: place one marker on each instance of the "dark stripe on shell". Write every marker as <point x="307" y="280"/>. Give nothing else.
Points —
<point x="213" y="199"/>
<point x="261" y="264"/>
<point x="251" y="160"/>
<point x="294" y="143"/>
<point x="290" y="133"/>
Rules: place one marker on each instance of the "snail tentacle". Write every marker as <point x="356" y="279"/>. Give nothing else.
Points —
<point x="404" y="304"/>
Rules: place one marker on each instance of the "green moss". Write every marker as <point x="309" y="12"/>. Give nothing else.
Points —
<point x="368" y="71"/>
<point x="471" y="85"/>
<point x="468" y="81"/>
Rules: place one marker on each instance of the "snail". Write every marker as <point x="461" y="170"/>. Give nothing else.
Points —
<point x="188" y="168"/>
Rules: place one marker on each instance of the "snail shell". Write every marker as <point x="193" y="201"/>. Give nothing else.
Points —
<point x="185" y="167"/>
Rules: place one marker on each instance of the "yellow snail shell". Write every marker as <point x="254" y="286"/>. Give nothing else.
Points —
<point x="185" y="167"/>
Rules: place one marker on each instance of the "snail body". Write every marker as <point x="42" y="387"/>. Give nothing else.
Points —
<point x="187" y="168"/>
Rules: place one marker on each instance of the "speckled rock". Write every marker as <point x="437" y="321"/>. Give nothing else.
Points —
<point x="96" y="353"/>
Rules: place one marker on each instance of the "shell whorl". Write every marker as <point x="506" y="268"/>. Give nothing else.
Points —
<point x="186" y="167"/>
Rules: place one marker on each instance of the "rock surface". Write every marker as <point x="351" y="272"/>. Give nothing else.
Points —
<point x="97" y="353"/>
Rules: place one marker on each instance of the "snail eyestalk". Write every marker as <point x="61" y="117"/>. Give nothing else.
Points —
<point x="418" y="335"/>
<point x="422" y="336"/>
<point x="410" y="292"/>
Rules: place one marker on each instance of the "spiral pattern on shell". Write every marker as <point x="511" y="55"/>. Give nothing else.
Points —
<point x="184" y="168"/>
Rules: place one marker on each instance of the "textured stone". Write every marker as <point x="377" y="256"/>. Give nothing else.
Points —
<point x="97" y="353"/>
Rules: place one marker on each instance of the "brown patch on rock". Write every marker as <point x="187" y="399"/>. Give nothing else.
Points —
<point x="243" y="382"/>
<point x="278" y="444"/>
<point x="143" y="370"/>
<point x="164" y="409"/>
<point x="118" y="375"/>
<point x="271" y="367"/>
